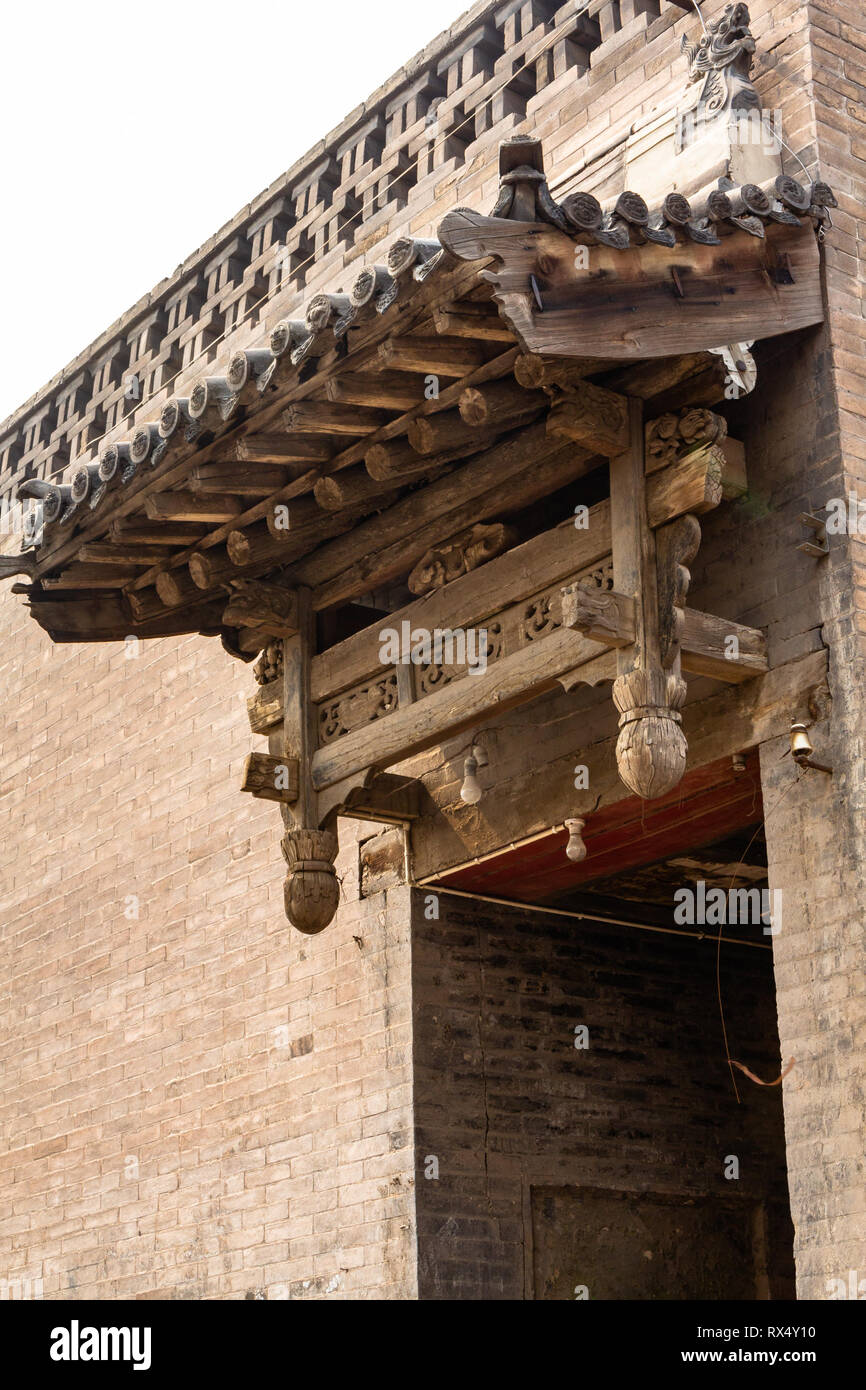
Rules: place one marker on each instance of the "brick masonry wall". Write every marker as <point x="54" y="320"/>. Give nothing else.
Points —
<point x="506" y="1102"/>
<point x="198" y="1102"/>
<point x="819" y="848"/>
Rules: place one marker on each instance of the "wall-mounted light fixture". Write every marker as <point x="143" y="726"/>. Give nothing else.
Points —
<point x="802" y="750"/>
<point x="575" y="849"/>
<point x="471" y="791"/>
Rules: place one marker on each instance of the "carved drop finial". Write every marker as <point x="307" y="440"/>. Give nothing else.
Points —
<point x="311" y="891"/>
<point x="651" y="749"/>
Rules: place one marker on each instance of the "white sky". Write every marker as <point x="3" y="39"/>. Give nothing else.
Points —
<point x="105" y="107"/>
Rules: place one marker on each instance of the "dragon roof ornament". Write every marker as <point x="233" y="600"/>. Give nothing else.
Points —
<point x="722" y="61"/>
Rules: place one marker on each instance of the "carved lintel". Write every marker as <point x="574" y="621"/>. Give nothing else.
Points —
<point x="311" y="892"/>
<point x="459" y="555"/>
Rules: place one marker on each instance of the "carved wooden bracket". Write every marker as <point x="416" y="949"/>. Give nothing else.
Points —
<point x="270" y="610"/>
<point x="460" y="555"/>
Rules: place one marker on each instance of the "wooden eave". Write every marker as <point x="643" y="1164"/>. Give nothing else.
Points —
<point x="663" y="290"/>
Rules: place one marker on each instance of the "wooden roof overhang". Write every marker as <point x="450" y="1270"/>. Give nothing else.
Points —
<point x="391" y="434"/>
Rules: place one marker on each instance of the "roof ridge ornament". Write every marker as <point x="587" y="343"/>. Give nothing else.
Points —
<point x="722" y="61"/>
<point x="523" y="192"/>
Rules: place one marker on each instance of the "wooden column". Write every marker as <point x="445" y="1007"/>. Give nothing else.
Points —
<point x="651" y="748"/>
<point x="312" y="892"/>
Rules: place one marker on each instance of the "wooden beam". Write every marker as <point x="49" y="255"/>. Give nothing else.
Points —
<point x="91" y="577"/>
<point x="383" y="390"/>
<point x="300" y="733"/>
<point x="138" y="532"/>
<point x="651" y="749"/>
<point x="500" y="403"/>
<point x="351" y="487"/>
<point x="240" y="480"/>
<point x="384" y="797"/>
<point x="185" y="506"/>
<point x="486" y="327"/>
<point x="435" y="434"/>
<point x="282" y="449"/>
<point x="693" y="484"/>
<point x="537" y="564"/>
<point x="430" y="356"/>
<point x="329" y="417"/>
<point x="265" y="708"/>
<point x="517" y="470"/>
<point x="601" y="615"/>
<point x="629" y="307"/>
<point x="710" y="646"/>
<point x="97" y="553"/>
<point x="532" y="372"/>
<point x="722" y="649"/>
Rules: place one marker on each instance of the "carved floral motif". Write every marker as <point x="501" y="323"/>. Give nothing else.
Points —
<point x="357" y="707"/>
